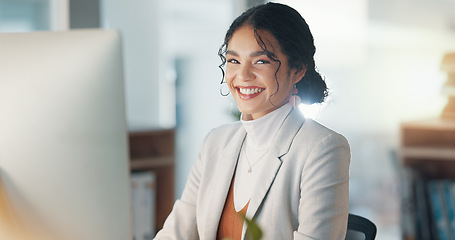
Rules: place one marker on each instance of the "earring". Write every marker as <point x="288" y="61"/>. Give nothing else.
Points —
<point x="295" y="100"/>
<point x="224" y="89"/>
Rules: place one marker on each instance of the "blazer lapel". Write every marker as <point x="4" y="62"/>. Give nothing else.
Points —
<point x="265" y="181"/>
<point x="224" y="171"/>
<point x="286" y="134"/>
<point x="282" y="143"/>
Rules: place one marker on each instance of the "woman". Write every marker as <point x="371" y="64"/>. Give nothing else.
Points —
<point x="287" y="173"/>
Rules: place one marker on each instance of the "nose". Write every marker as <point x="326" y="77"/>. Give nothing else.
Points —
<point x="245" y="73"/>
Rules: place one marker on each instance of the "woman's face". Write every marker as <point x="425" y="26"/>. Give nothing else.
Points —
<point x="250" y="74"/>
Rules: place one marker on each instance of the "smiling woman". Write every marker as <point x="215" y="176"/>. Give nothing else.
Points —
<point x="274" y="166"/>
<point x="253" y="77"/>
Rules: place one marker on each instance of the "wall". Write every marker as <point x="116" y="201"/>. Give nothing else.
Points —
<point x="172" y="75"/>
<point x="21" y="16"/>
<point x="138" y="24"/>
<point x="191" y="37"/>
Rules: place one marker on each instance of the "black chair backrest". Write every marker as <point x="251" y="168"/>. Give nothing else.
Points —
<point x="360" y="228"/>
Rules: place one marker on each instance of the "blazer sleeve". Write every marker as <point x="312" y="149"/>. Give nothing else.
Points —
<point x="324" y="196"/>
<point x="181" y="222"/>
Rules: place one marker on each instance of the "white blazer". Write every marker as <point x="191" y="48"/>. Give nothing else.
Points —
<point x="302" y="194"/>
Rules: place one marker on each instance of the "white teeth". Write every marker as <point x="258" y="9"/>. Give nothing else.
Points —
<point x="248" y="91"/>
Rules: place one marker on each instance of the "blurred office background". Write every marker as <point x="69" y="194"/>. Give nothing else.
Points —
<point x="381" y="60"/>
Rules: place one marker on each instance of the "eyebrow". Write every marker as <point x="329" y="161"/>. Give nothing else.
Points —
<point x="253" y="54"/>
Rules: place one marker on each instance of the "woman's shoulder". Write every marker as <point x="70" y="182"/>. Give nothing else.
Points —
<point x="226" y="131"/>
<point x="316" y="132"/>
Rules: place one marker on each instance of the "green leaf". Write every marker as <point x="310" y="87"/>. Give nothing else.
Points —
<point x="253" y="231"/>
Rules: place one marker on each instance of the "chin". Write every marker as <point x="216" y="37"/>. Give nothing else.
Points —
<point x="246" y="110"/>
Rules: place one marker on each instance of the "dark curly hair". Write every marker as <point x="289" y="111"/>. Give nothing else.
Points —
<point x="295" y="39"/>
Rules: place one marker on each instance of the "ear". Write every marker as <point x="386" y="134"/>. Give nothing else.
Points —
<point x="298" y="74"/>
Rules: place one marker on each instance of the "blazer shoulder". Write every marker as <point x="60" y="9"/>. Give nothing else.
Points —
<point x="315" y="131"/>
<point x="224" y="133"/>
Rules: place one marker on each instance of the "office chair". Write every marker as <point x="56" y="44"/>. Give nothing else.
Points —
<point x="360" y="228"/>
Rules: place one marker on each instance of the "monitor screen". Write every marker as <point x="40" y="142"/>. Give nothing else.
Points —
<point x="64" y="171"/>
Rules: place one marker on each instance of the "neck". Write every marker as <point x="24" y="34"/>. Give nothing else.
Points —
<point x="261" y="131"/>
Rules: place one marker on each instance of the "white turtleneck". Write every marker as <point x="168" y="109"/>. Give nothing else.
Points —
<point x="260" y="135"/>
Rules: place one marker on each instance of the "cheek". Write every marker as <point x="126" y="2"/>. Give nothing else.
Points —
<point x="229" y="76"/>
<point x="285" y="87"/>
<point x="273" y="84"/>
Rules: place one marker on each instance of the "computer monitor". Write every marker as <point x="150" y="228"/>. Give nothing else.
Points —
<point x="64" y="170"/>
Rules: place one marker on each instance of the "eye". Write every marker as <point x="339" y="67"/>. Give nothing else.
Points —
<point x="262" y="62"/>
<point x="234" y="61"/>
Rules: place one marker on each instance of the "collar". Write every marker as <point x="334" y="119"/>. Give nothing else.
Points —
<point x="262" y="131"/>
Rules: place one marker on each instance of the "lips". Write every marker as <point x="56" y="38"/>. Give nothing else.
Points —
<point x="246" y="93"/>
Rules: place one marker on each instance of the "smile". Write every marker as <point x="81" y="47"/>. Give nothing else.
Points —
<point x="250" y="92"/>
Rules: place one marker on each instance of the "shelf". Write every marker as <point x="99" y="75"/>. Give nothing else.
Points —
<point x="428" y="146"/>
<point x="431" y="124"/>
<point x="430" y="139"/>
<point x="153" y="143"/>
<point x="428" y="153"/>
<point x="153" y="150"/>
<point x="148" y="163"/>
